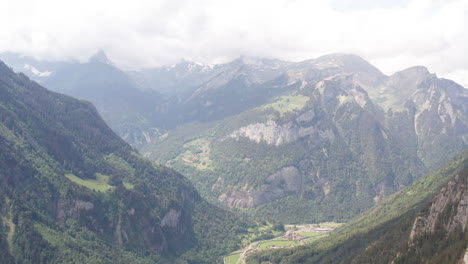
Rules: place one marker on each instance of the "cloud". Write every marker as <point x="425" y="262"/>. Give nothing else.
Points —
<point x="140" y="33"/>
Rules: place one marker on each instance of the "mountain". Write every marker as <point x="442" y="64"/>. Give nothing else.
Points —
<point x="141" y="105"/>
<point x="206" y="93"/>
<point x="172" y="80"/>
<point x="130" y="112"/>
<point x="424" y="223"/>
<point x="324" y="140"/>
<point x="72" y="191"/>
<point x="185" y="77"/>
<point x="317" y="140"/>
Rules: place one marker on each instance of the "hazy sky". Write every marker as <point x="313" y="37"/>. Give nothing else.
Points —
<point x="391" y="34"/>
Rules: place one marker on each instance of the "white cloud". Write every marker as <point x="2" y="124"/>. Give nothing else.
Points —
<point x="391" y="34"/>
<point x="461" y="76"/>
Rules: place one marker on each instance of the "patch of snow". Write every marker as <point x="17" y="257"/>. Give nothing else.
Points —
<point x="344" y="99"/>
<point x="36" y="71"/>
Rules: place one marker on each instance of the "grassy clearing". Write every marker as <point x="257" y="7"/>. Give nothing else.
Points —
<point x="310" y="239"/>
<point x="100" y="184"/>
<point x="323" y="224"/>
<point x="50" y="235"/>
<point x="331" y="224"/>
<point x="264" y="231"/>
<point x="260" y="232"/>
<point x="197" y="154"/>
<point x="279" y="243"/>
<point x="232" y="259"/>
<point x="310" y="234"/>
<point x="289" y="103"/>
<point x="390" y="99"/>
<point x="128" y="185"/>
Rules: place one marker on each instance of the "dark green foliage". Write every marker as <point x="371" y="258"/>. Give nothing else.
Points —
<point x="355" y="135"/>
<point x="29" y="245"/>
<point x="5" y="256"/>
<point x="150" y="214"/>
<point x="382" y="234"/>
<point x="340" y="177"/>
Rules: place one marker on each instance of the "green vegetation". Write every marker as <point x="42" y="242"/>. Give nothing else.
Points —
<point x="310" y="234"/>
<point x="330" y="224"/>
<point x="383" y="231"/>
<point x="99" y="184"/>
<point x="58" y="160"/>
<point x="128" y="186"/>
<point x="278" y="243"/>
<point x="343" y="155"/>
<point x="289" y="103"/>
<point x="197" y="154"/>
<point x="316" y="237"/>
<point x="346" y="165"/>
<point x="261" y="231"/>
<point x="232" y="259"/>
<point x="261" y="238"/>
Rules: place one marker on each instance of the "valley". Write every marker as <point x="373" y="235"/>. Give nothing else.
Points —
<point x="234" y="132"/>
<point x="392" y="231"/>
<point x="74" y="192"/>
<point x="323" y="137"/>
<point x="256" y="143"/>
<point x="294" y="235"/>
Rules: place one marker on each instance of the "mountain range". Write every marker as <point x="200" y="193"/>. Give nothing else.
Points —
<point x="321" y="139"/>
<point x="72" y="191"/>
<point x="326" y="139"/>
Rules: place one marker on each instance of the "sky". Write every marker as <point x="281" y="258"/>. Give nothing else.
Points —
<point x="391" y="34"/>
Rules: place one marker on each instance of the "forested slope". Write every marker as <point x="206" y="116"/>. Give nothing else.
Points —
<point x="74" y="192"/>
<point x="424" y="223"/>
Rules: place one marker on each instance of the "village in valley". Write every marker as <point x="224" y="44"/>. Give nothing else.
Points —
<point x="295" y="235"/>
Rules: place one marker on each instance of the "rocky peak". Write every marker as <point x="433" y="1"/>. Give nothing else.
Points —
<point x="190" y="66"/>
<point x="350" y="63"/>
<point x="411" y="77"/>
<point x="337" y="64"/>
<point x="414" y="72"/>
<point x="259" y="62"/>
<point x="100" y="57"/>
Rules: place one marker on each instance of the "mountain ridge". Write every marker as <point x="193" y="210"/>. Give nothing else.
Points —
<point x="401" y="229"/>
<point x="251" y="126"/>
<point x="73" y="191"/>
<point x="322" y="113"/>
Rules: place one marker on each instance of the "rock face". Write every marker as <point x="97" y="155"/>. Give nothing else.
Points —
<point x="171" y="218"/>
<point x="276" y="134"/>
<point x="448" y="211"/>
<point x="465" y="258"/>
<point x="71" y="209"/>
<point x="383" y="132"/>
<point x="423" y="223"/>
<point x="354" y="135"/>
<point x="282" y="183"/>
<point x="272" y="133"/>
